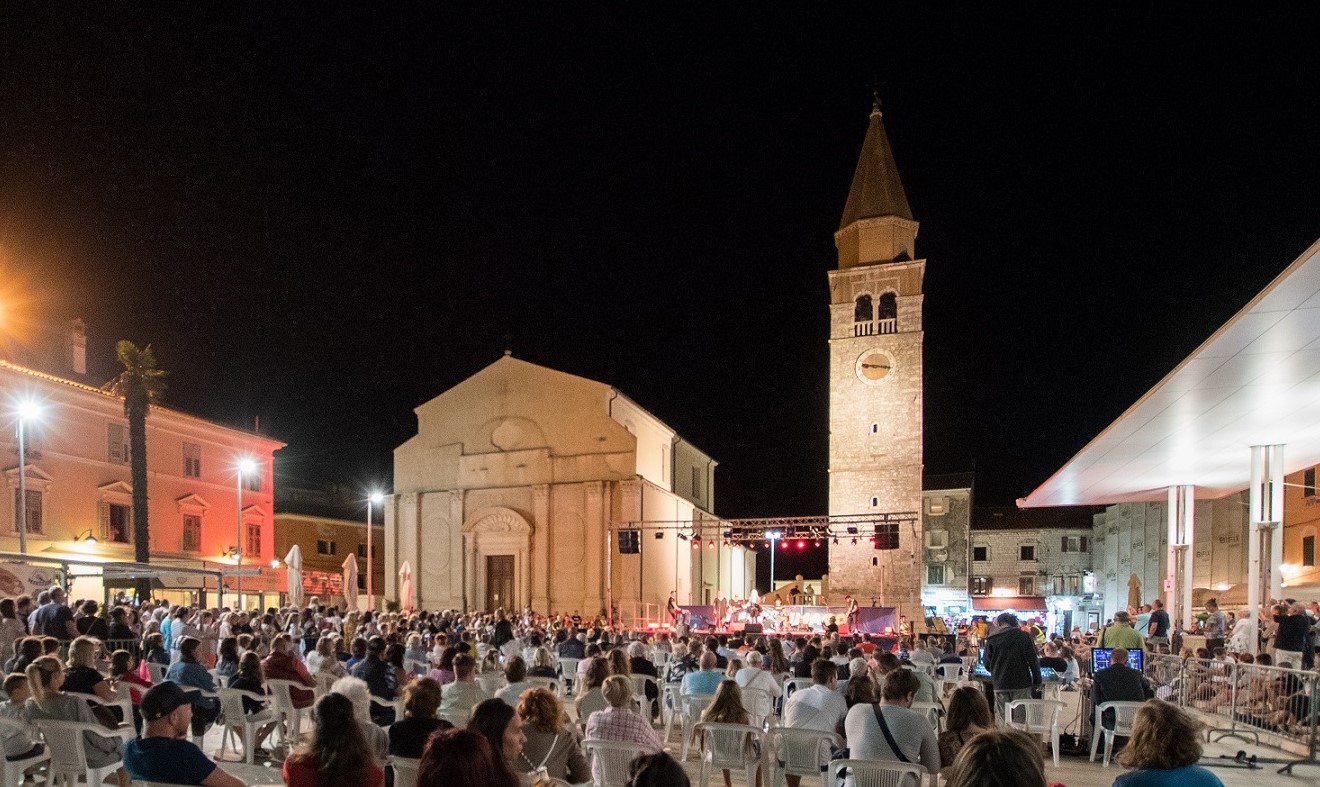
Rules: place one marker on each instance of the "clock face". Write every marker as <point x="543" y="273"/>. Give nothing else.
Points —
<point x="873" y="366"/>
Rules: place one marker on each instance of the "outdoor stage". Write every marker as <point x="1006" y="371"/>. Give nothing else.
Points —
<point x="795" y="619"/>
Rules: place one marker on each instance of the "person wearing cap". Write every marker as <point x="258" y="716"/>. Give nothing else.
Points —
<point x="1010" y="655"/>
<point x="164" y="753"/>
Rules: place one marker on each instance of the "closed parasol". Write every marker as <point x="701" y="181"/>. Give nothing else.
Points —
<point x="350" y="581"/>
<point x="405" y="586"/>
<point x="293" y="562"/>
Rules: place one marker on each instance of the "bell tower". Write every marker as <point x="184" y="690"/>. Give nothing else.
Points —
<point x="876" y="384"/>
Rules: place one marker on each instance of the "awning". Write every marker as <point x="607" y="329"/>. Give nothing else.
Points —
<point x="130" y="582"/>
<point x="996" y="603"/>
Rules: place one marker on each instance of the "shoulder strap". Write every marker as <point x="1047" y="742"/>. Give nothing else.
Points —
<point x="889" y="736"/>
<point x="548" y="752"/>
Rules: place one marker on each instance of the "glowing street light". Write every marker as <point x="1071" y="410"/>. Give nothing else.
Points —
<point x="772" y="536"/>
<point x="374" y="497"/>
<point x="27" y="410"/>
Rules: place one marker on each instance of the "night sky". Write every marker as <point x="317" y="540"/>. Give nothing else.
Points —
<point x="323" y="216"/>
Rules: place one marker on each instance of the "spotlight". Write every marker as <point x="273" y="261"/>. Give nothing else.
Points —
<point x="783" y="545"/>
<point x="836" y="541"/>
<point x="711" y="544"/>
<point x="818" y="543"/>
<point x="726" y="542"/>
<point x="696" y="545"/>
<point x="802" y="544"/>
<point x="854" y="542"/>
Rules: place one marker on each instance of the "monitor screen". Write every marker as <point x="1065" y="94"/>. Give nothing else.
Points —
<point x="1100" y="659"/>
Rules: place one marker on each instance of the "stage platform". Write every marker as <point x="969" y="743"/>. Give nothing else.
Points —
<point x="798" y="619"/>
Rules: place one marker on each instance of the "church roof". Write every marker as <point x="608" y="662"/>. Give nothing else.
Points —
<point x="876" y="188"/>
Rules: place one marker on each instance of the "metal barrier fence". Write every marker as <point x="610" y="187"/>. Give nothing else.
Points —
<point x="1243" y="701"/>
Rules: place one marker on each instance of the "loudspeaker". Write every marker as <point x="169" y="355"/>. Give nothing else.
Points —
<point x="753" y="628"/>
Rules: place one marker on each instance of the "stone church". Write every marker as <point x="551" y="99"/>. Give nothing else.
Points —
<point x="518" y="490"/>
<point x="876" y="384"/>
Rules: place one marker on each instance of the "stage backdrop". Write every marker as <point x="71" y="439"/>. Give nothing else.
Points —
<point x="871" y="620"/>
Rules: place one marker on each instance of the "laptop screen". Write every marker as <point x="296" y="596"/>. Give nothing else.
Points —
<point x="1100" y="658"/>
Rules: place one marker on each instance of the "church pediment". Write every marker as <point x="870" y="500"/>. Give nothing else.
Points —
<point x="497" y="519"/>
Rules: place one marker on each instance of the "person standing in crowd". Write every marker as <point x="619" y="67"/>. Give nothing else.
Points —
<point x="1010" y="655"/>
<point x="1120" y="634"/>
<point x="337" y="754"/>
<point x="163" y="753"/>
<point x="11" y="629"/>
<point x="1158" y="626"/>
<point x="54" y="619"/>
<point x="1163" y="750"/>
<point x="1292" y="628"/>
<point x="1215" y="627"/>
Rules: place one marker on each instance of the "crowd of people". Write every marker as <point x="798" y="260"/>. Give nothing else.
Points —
<point x="476" y="700"/>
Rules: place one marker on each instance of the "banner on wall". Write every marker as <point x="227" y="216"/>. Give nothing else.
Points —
<point x="17" y="579"/>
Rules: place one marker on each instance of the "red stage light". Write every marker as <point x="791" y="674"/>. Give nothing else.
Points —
<point x="783" y="545"/>
<point x="711" y="544"/>
<point x="696" y="544"/>
<point x="802" y="544"/>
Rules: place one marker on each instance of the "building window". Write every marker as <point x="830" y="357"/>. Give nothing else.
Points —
<point x="937" y="539"/>
<point x="863" y="314"/>
<point x="253" y="546"/>
<point x="362" y="550"/>
<point x="980" y="554"/>
<point x="981" y="586"/>
<point x="116" y="522"/>
<point x="1026" y="586"/>
<point x="1308" y="482"/>
<point x="934" y="574"/>
<point x="192" y="460"/>
<point x="117" y="440"/>
<point x="1027" y="552"/>
<point x="328" y="548"/>
<point x="1073" y="543"/>
<point x="875" y="501"/>
<point x="192" y="533"/>
<point x="33" y="512"/>
<point x="253" y="481"/>
<point x="887" y="314"/>
<point x="936" y="506"/>
<point x="1308" y="551"/>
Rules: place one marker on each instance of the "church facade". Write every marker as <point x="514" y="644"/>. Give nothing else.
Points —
<point x="518" y="490"/>
<point x="876" y="420"/>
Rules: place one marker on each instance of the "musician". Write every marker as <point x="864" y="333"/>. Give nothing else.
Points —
<point x="721" y="611"/>
<point x="671" y="606"/>
<point x="853" y="612"/>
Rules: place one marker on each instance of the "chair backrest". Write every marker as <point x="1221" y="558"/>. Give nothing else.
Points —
<point x="324" y="680"/>
<point x="455" y="716"/>
<point x="231" y="703"/>
<point x="726" y="745"/>
<point x="802" y="752"/>
<point x="695" y="704"/>
<point x="1041" y="715"/>
<point x="156" y="671"/>
<point x="1124" y="714"/>
<point x="545" y="683"/>
<point x="591" y="702"/>
<point x="759" y="704"/>
<point x="568" y="667"/>
<point x="874" y="773"/>
<point x="405" y="771"/>
<point x="950" y="672"/>
<point x="933" y="711"/>
<point x="491" y="684"/>
<point x="793" y="684"/>
<point x="639" y="683"/>
<point x="279" y="691"/>
<point x="64" y="741"/>
<point x="611" y="760"/>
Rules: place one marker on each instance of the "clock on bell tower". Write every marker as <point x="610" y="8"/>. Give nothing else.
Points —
<point x="876" y="381"/>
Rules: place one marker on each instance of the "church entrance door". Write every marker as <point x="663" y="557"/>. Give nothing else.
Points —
<point x="499" y="581"/>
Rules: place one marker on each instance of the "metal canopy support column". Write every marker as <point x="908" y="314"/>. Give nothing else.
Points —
<point x="1182" y="536"/>
<point x="1265" y="514"/>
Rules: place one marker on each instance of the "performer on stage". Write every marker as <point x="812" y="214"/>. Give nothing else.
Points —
<point x="721" y="611"/>
<point x="671" y="606"/>
<point x="853" y="612"/>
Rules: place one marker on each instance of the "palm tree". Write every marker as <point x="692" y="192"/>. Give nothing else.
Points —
<point x="140" y="384"/>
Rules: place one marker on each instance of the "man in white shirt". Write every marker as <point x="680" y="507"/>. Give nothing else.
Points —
<point x="817" y="707"/>
<point x="464" y="692"/>
<point x="754" y="677"/>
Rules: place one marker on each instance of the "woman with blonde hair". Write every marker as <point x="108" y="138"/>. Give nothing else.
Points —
<point x="1164" y="749"/>
<point x="551" y="743"/>
<point x="543" y="666"/>
<point x="968" y="716"/>
<point x="591" y="698"/>
<point x="726" y="707"/>
<point x="48" y="701"/>
<point x="618" y="661"/>
<point x="997" y="758"/>
<point x="82" y="676"/>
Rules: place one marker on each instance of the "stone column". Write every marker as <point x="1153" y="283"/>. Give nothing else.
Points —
<point x="540" y="555"/>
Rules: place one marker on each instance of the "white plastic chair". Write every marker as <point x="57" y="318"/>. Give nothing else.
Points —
<point x="611" y="760"/>
<point x="646" y="704"/>
<point x="728" y="747"/>
<point x="547" y="683"/>
<point x="875" y="773"/>
<point x="156" y="671"/>
<point x="283" y="703"/>
<point x="68" y="752"/>
<point x="793" y="684"/>
<point x="947" y="675"/>
<point x="1124" y="714"/>
<point x="491" y="684"/>
<point x="418" y="668"/>
<point x="193" y="690"/>
<point x="396" y="705"/>
<point x="934" y="712"/>
<point x="455" y="716"/>
<point x="122" y="701"/>
<point x="1042" y="718"/>
<point x="14" y="772"/>
<point x="759" y="704"/>
<point x="693" y="705"/>
<point x="793" y="752"/>
<point x="568" y="674"/>
<point x="231" y="707"/>
<point x="405" y="771"/>
<point x="324" y="680"/>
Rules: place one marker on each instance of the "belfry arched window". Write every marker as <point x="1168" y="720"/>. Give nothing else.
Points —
<point x="863" y="316"/>
<point x="887" y="315"/>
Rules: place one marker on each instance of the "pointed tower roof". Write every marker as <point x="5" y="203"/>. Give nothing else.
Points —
<point x="876" y="188"/>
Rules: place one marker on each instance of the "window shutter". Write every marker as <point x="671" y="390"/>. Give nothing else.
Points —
<point x="103" y="517"/>
<point x="1084" y="540"/>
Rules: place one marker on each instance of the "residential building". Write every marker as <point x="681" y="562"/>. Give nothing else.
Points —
<point x="1301" y="524"/>
<point x="946" y="514"/>
<point x="329" y="525"/>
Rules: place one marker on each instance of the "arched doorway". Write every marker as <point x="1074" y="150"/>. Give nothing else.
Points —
<point x="497" y="553"/>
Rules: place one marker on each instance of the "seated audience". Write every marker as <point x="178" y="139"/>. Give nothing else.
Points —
<point x="163" y="753"/>
<point x="551" y="741"/>
<point x="968" y="716"/>
<point x="997" y="758"/>
<point x="1163" y="750"/>
<point x="421" y="699"/>
<point x="909" y="729"/>
<point x="338" y="754"/>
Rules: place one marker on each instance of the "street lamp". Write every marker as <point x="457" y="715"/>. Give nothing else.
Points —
<point x="246" y="466"/>
<point x="27" y="410"/>
<point x="773" y="536"/>
<point x="374" y="497"/>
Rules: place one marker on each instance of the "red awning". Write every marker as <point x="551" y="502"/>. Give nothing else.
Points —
<point x="997" y="603"/>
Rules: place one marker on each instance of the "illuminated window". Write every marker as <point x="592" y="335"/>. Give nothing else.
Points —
<point x="192" y="460"/>
<point x="116" y="522"/>
<point x="253" y="546"/>
<point x="936" y="506"/>
<point x="1026" y="586"/>
<point x="192" y="533"/>
<point x="981" y="586"/>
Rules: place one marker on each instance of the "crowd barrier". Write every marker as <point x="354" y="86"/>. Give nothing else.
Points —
<point x="1244" y="701"/>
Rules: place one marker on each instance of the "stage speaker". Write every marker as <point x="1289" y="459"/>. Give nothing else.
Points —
<point x="753" y="628"/>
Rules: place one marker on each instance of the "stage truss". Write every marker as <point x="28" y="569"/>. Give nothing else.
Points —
<point x="754" y="532"/>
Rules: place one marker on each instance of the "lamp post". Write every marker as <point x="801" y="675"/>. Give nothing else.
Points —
<point x="245" y="466"/>
<point x="773" y="537"/>
<point x="374" y="497"/>
<point x="27" y="409"/>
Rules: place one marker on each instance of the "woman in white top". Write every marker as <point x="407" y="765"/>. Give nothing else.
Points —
<point x="915" y="738"/>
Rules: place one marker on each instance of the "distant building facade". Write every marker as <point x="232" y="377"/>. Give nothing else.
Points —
<point x="330" y="525"/>
<point x="875" y="383"/>
<point x="946" y="513"/>
<point x="1301" y="527"/>
<point x="79" y="484"/>
<point x="515" y="488"/>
